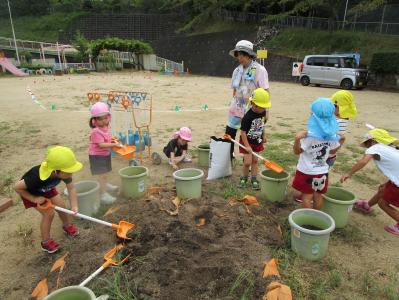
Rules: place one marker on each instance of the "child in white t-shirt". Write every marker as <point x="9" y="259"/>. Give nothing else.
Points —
<point x="387" y="160"/>
<point x="314" y="147"/>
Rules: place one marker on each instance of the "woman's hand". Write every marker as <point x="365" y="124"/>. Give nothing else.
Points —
<point x="345" y="177"/>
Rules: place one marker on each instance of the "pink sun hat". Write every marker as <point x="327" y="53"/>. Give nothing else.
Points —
<point x="184" y="133"/>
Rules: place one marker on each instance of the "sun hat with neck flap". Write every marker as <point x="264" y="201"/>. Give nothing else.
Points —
<point x="59" y="158"/>
<point x="322" y="123"/>
<point x="344" y="100"/>
<point x="244" y="46"/>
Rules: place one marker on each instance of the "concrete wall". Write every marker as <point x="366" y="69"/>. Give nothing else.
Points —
<point x="208" y="54"/>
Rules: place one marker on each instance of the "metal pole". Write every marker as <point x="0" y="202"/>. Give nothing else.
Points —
<point x="346" y="8"/>
<point x="13" y="32"/>
<point x="382" y="18"/>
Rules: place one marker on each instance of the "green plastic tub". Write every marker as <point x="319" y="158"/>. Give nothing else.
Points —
<point x="73" y="293"/>
<point x="310" y="232"/>
<point x="188" y="183"/>
<point x="88" y="193"/>
<point x="134" y="181"/>
<point x="273" y="186"/>
<point x="203" y="155"/>
<point x="338" y="203"/>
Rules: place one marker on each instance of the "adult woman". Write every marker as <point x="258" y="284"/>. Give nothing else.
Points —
<point x="247" y="77"/>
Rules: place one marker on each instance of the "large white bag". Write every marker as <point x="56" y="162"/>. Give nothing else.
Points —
<point x="219" y="159"/>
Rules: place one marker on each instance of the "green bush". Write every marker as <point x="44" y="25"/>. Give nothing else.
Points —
<point x="118" y="44"/>
<point x="385" y="63"/>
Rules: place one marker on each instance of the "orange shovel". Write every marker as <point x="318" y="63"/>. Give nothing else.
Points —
<point x="109" y="260"/>
<point x="121" y="229"/>
<point x="268" y="163"/>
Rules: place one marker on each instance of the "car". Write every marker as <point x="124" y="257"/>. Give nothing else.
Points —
<point x="334" y="70"/>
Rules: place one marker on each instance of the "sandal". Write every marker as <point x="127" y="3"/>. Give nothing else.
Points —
<point x="363" y="206"/>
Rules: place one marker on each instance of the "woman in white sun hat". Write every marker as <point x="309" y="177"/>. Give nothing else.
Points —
<point x="247" y="77"/>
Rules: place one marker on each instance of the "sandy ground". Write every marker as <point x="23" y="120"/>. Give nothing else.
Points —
<point x="26" y="130"/>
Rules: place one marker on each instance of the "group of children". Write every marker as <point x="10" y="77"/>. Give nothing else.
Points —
<point x="317" y="149"/>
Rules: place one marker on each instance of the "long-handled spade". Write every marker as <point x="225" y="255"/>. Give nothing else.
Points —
<point x="121" y="229"/>
<point x="109" y="260"/>
<point x="268" y="163"/>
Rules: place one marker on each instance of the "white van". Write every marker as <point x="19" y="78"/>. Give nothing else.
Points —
<point x="336" y="70"/>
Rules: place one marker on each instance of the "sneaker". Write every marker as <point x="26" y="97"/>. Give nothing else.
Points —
<point x="255" y="184"/>
<point x="50" y="246"/>
<point x="107" y="198"/>
<point x="70" y="230"/>
<point x="243" y="182"/>
<point x="112" y="188"/>
<point x="394" y="229"/>
<point x="298" y="198"/>
<point x="363" y="206"/>
<point x="187" y="159"/>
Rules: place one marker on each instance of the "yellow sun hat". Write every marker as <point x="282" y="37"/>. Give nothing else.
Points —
<point x="59" y="158"/>
<point x="261" y="98"/>
<point x="344" y="100"/>
<point x="380" y="136"/>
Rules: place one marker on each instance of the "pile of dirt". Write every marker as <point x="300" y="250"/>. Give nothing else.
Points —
<point x="182" y="260"/>
<point x="172" y="257"/>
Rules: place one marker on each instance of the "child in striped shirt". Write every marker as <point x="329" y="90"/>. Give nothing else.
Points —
<point x="345" y="109"/>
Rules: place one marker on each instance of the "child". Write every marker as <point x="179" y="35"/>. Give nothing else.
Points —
<point x="176" y="149"/>
<point x="345" y="109"/>
<point x="100" y="149"/>
<point x="39" y="184"/>
<point x="313" y="147"/>
<point x="387" y="160"/>
<point x="253" y="136"/>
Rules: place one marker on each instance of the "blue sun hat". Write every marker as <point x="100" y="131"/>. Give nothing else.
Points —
<point x="322" y="123"/>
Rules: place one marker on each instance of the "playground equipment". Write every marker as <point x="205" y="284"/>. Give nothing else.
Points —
<point x="124" y="107"/>
<point x="121" y="229"/>
<point x="7" y="65"/>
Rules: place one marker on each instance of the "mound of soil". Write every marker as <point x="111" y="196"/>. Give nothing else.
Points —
<point x="174" y="258"/>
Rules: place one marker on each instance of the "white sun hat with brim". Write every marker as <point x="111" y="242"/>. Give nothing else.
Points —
<point x="244" y="46"/>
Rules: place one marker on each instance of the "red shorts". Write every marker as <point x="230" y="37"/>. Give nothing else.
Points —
<point x="308" y="184"/>
<point x="391" y="193"/>
<point x="50" y="194"/>
<point x="255" y="148"/>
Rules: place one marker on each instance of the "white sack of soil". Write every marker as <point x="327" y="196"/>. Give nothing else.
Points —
<point x="219" y="159"/>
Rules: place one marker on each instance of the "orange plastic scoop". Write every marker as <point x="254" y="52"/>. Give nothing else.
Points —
<point x="121" y="229"/>
<point x="268" y="163"/>
<point x="127" y="152"/>
<point x="109" y="258"/>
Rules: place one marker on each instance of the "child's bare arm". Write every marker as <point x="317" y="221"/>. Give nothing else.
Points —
<point x="341" y="142"/>
<point x="297" y="144"/>
<point x="21" y="188"/>
<point x="245" y="141"/>
<point x="73" y="198"/>
<point x="108" y="145"/>
<point x="358" y="166"/>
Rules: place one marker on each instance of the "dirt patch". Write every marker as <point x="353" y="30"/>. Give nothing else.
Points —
<point x="173" y="258"/>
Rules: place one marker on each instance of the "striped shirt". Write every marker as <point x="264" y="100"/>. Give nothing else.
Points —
<point x="343" y="125"/>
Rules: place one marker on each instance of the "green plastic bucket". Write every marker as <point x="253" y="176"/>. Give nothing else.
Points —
<point x="134" y="181"/>
<point x="188" y="183"/>
<point x="310" y="232"/>
<point x="203" y="155"/>
<point x="88" y="194"/>
<point x="338" y="203"/>
<point x="73" y="293"/>
<point x="273" y="186"/>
